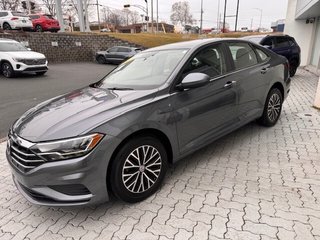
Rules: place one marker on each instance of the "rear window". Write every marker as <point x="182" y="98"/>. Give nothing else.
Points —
<point x="122" y="49"/>
<point x="19" y="14"/>
<point x="282" y="42"/>
<point x="48" y="16"/>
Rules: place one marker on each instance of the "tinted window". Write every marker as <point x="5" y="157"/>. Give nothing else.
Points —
<point x="282" y="42"/>
<point x="48" y="16"/>
<point x="19" y="14"/>
<point x="3" y="14"/>
<point x="122" y="49"/>
<point x="267" y="42"/>
<point x="263" y="56"/>
<point x="242" y="55"/>
<point x="114" y="49"/>
<point x="34" y="16"/>
<point x="210" y="61"/>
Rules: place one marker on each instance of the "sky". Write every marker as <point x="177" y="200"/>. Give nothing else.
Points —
<point x="249" y="10"/>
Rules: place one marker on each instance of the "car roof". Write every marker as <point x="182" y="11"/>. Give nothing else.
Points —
<point x="7" y="40"/>
<point x="125" y="47"/>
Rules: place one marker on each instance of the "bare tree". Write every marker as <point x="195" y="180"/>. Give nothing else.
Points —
<point x="180" y="13"/>
<point x="134" y="17"/>
<point x="9" y="4"/>
<point x="50" y="6"/>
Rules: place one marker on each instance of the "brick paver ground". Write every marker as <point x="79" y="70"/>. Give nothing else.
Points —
<point x="256" y="183"/>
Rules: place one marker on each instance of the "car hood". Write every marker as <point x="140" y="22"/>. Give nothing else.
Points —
<point x="77" y="113"/>
<point x="26" y="54"/>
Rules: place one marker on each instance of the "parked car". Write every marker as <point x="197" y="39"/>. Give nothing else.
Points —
<point x="116" y="54"/>
<point x="244" y="29"/>
<point x="16" y="58"/>
<point x="283" y="45"/>
<point x="14" y="20"/>
<point x="105" y="30"/>
<point x="118" y="135"/>
<point x="44" y="22"/>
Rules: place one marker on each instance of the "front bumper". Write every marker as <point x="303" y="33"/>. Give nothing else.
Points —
<point x="72" y="182"/>
<point x="21" y="67"/>
<point x="27" y="25"/>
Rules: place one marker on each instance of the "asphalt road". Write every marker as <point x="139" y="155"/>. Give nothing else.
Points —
<point x="19" y="94"/>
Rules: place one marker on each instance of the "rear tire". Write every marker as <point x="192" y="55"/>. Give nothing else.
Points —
<point x="138" y="169"/>
<point x="272" y="108"/>
<point x="7" y="70"/>
<point x="293" y="68"/>
<point x="39" y="28"/>
<point x="101" y="59"/>
<point x="6" y="26"/>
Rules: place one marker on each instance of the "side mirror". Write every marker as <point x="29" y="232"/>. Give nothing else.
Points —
<point x="194" y="80"/>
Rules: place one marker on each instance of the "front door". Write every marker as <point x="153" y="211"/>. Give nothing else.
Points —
<point x="205" y="113"/>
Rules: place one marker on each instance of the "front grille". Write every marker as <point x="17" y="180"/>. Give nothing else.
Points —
<point x="34" y="61"/>
<point x="23" y="158"/>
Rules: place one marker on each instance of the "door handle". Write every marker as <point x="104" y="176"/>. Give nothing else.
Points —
<point x="264" y="70"/>
<point x="230" y="84"/>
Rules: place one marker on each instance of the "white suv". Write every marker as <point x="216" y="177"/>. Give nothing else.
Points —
<point x="15" y="58"/>
<point x="14" y="20"/>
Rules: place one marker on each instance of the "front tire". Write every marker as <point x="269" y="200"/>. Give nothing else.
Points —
<point x="138" y="169"/>
<point x="7" y="70"/>
<point x="39" y="28"/>
<point x="272" y="108"/>
<point x="101" y="59"/>
<point x="6" y="26"/>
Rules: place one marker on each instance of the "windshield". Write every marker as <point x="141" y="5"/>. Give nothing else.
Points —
<point x="11" y="47"/>
<point x="146" y="70"/>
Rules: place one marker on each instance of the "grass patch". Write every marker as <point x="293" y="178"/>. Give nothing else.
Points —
<point x="153" y="40"/>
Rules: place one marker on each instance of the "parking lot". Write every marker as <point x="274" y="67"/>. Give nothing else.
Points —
<point x="255" y="183"/>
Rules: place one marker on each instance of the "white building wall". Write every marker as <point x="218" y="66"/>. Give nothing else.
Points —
<point x="302" y="32"/>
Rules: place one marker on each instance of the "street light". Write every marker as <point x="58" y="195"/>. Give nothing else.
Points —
<point x="259" y="9"/>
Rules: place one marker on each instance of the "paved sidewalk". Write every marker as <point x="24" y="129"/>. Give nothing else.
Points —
<point x="256" y="183"/>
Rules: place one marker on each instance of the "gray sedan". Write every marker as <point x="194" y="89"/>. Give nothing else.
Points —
<point x="118" y="136"/>
<point x="116" y="54"/>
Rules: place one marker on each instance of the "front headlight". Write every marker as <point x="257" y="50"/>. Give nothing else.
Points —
<point x="18" y="59"/>
<point x="66" y="149"/>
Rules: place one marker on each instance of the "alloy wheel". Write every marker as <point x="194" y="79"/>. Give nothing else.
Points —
<point x="6" y="70"/>
<point x="274" y="107"/>
<point x="141" y="169"/>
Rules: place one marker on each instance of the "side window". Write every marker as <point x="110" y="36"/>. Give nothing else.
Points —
<point x="263" y="56"/>
<point x="122" y="49"/>
<point x="3" y="14"/>
<point x="210" y="61"/>
<point x="113" y="49"/>
<point x="267" y="42"/>
<point x="282" y="42"/>
<point x="242" y="55"/>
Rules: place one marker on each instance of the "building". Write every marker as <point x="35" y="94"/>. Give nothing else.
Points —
<point x="278" y="26"/>
<point x="303" y="23"/>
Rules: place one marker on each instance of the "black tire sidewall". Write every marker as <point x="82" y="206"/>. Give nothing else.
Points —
<point x="116" y="183"/>
<point x="11" y="69"/>
<point x="265" y="120"/>
<point x="8" y="27"/>
<point x="101" y="59"/>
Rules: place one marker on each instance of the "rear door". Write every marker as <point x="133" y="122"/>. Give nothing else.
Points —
<point x="251" y="80"/>
<point x="205" y="113"/>
<point x="111" y="54"/>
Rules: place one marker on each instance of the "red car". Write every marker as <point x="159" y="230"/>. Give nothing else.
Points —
<point x="44" y="22"/>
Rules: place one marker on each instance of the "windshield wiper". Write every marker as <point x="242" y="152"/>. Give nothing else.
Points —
<point x="120" y="88"/>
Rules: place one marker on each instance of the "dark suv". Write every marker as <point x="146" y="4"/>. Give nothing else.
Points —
<point x="283" y="45"/>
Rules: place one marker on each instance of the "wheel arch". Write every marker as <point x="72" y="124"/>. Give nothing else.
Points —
<point x="142" y="132"/>
<point x="279" y="86"/>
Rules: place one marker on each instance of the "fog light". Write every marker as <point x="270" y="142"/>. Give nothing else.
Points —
<point x="18" y="66"/>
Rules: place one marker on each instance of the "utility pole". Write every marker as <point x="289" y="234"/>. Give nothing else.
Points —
<point x="224" y="16"/>
<point x="236" y="25"/>
<point x="152" y="29"/>
<point x="218" y="16"/>
<point x="157" y="16"/>
<point x="251" y="24"/>
<point x="98" y="14"/>
<point x="81" y="17"/>
<point x="201" y="17"/>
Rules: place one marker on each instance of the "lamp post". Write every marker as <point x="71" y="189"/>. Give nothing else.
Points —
<point x="98" y="15"/>
<point x="259" y="9"/>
